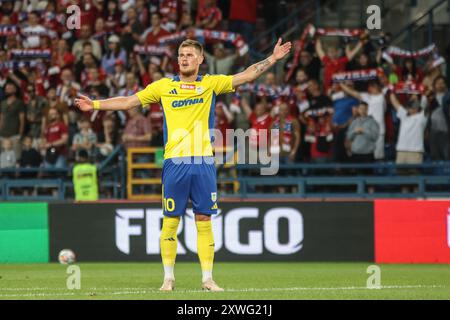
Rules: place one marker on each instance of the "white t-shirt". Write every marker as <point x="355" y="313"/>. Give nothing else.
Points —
<point x="377" y="107"/>
<point x="412" y="128"/>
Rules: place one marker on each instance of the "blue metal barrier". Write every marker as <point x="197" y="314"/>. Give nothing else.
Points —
<point x="430" y="179"/>
<point x="111" y="175"/>
<point x="301" y="180"/>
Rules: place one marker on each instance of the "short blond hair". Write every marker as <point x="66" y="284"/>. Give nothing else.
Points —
<point x="192" y="43"/>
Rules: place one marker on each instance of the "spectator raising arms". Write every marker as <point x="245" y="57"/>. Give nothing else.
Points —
<point x="332" y="63"/>
<point x="410" y="146"/>
<point x="374" y="98"/>
<point x="260" y="122"/>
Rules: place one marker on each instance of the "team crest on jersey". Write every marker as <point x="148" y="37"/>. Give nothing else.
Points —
<point x="200" y="90"/>
<point x="187" y="86"/>
<point x="214" y="196"/>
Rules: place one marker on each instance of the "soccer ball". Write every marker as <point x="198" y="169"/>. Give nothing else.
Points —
<point x="66" y="256"/>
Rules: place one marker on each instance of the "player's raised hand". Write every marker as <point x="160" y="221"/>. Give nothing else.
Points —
<point x="84" y="103"/>
<point x="281" y="50"/>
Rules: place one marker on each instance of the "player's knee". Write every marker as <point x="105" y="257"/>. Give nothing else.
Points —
<point x="202" y="217"/>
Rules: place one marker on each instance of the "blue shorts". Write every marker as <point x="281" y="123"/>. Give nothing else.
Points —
<point x="184" y="179"/>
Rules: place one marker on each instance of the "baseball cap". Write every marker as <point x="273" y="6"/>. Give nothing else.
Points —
<point x="113" y="39"/>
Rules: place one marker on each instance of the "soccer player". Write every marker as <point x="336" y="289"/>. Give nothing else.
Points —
<point x="188" y="101"/>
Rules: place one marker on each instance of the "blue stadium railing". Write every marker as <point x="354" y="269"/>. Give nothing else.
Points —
<point x="55" y="184"/>
<point x="302" y="181"/>
<point x="338" y="180"/>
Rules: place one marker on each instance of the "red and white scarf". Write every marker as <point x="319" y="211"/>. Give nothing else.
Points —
<point x="407" y="88"/>
<point x="398" y="52"/>
<point x="357" y="75"/>
<point x="235" y="38"/>
<point x="28" y="54"/>
<point x="333" y="32"/>
<point x="8" y="30"/>
<point x="152" y="50"/>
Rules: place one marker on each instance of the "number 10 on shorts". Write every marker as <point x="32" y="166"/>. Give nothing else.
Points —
<point x="169" y="204"/>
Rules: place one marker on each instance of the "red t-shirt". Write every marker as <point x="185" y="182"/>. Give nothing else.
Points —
<point x="222" y="124"/>
<point x="14" y="17"/>
<point x="152" y="38"/>
<point x="258" y="124"/>
<point x="321" y="130"/>
<point x="285" y="140"/>
<point x="169" y="9"/>
<point x="156" y="117"/>
<point x="54" y="132"/>
<point x="146" y="79"/>
<point x="330" y="67"/>
<point x="68" y="59"/>
<point x="244" y="10"/>
<point x="210" y="14"/>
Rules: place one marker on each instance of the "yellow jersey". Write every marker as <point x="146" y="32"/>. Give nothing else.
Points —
<point x="188" y="109"/>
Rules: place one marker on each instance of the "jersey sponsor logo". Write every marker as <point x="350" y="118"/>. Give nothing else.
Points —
<point x="187" y="86"/>
<point x="174" y="91"/>
<point x="187" y="102"/>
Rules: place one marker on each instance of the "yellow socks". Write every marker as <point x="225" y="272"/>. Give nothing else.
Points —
<point x="168" y="242"/>
<point x="205" y="247"/>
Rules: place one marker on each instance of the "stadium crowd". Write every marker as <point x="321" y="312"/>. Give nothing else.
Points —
<point x="118" y="51"/>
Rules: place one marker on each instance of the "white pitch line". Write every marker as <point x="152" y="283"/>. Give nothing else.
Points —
<point x="134" y="291"/>
<point x="24" y="295"/>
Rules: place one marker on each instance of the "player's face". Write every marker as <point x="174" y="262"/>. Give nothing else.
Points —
<point x="189" y="60"/>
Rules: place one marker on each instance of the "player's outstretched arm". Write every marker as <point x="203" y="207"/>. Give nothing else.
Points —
<point x="111" y="104"/>
<point x="255" y="70"/>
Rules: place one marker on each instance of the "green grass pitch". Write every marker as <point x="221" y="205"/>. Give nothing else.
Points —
<point x="240" y="280"/>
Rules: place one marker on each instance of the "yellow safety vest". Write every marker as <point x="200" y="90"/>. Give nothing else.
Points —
<point x="85" y="182"/>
